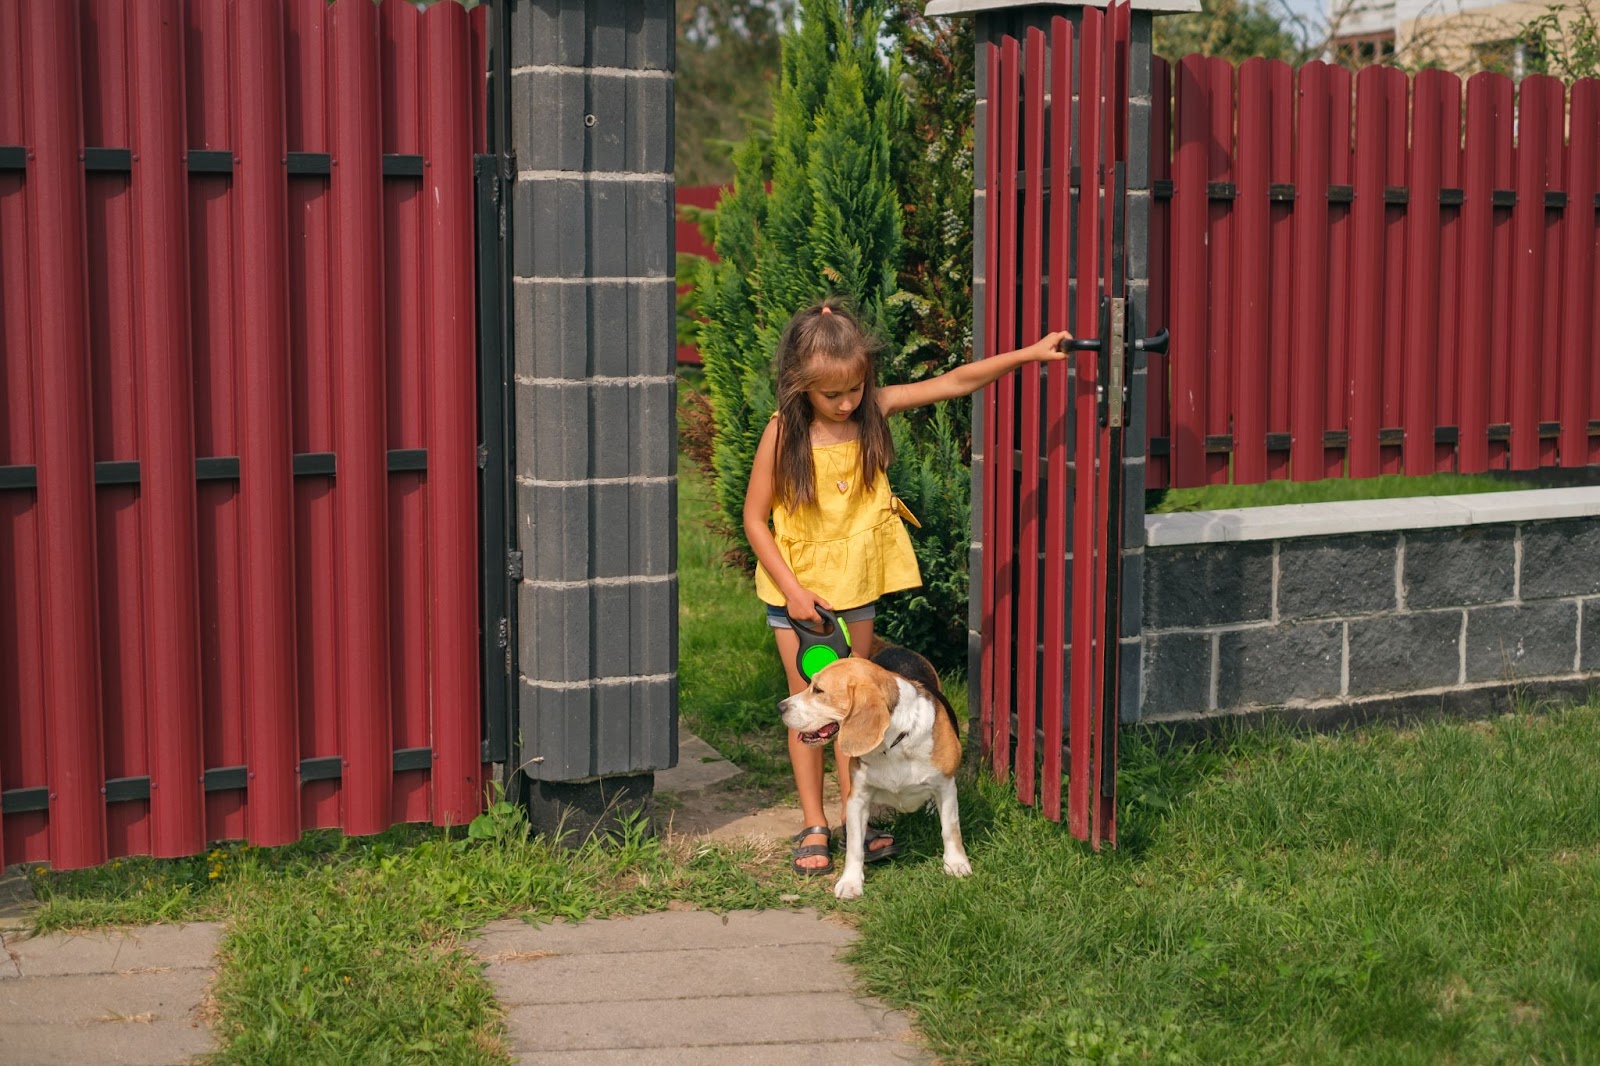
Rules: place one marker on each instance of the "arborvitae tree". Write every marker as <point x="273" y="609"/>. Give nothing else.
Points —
<point x="933" y="154"/>
<point x="844" y="152"/>
<point x="830" y="224"/>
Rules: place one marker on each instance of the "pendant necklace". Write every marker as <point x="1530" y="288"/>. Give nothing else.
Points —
<point x="840" y="483"/>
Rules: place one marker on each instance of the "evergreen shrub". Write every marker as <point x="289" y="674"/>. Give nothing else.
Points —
<point x="816" y="210"/>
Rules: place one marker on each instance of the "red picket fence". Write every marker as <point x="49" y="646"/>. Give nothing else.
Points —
<point x="1367" y="273"/>
<point x="238" y="455"/>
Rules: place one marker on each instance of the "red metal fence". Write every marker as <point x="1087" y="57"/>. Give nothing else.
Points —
<point x="1368" y="273"/>
<point x="1052" y="473"/>
<point x="689" y="242"/>
<point x="238" y="462"/>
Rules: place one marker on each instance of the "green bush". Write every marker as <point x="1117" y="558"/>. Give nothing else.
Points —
<point x="816" y="209"/>
<point x="830" y="224"/>
<point x="934" y="480"/>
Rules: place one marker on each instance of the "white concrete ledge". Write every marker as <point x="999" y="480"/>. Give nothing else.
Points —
<point x="1369" y="516"/>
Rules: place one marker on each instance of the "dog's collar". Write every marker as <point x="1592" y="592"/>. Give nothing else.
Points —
<point x="884" y="751"/>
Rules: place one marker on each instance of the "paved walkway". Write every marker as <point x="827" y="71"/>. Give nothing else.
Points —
<point x="758" y="987"/>
<point x="688" y="987"/>
<point x="132" y="997"/>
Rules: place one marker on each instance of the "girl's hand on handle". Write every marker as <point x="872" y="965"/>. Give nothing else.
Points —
<point x="1047" y="349"/>
<point x="802" y="604"/>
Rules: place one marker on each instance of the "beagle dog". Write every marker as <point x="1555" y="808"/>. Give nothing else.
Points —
<point x="891" y="718"/>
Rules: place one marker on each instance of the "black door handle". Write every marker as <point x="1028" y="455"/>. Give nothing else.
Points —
<point x="1157" y="344"/>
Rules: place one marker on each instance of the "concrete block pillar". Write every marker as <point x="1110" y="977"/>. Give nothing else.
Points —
<point x="591" y="97"/>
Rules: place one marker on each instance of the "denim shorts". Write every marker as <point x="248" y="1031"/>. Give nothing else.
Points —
<point x="778" y="620"/>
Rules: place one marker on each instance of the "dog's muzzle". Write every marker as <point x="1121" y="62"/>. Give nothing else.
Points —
<point x="820" y="736"/>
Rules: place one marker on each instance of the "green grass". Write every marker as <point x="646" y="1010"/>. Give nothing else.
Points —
<point x="729" y="676"/>
<point x="1428" y="896"/>
<point x="1389" y="486"/>
<point x="350" y="950"/>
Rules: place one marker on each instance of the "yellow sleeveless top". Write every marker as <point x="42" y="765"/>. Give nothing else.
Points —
<point x="852" y="547"/>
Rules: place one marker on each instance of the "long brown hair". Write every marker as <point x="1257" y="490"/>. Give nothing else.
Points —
<point x="823" y="342"/>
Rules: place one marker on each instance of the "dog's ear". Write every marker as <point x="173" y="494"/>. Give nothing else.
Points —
<point x="866" y="719"/>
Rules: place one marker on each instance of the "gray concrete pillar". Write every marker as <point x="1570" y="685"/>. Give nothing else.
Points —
<point x="596" y="464"/>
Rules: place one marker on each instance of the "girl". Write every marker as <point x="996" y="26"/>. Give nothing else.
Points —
<point x="837" y="538"/>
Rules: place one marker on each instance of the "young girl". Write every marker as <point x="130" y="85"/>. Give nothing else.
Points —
<point x="837" y="538"/>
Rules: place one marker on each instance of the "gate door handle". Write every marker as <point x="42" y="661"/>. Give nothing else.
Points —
<point x="1157" y="344"/>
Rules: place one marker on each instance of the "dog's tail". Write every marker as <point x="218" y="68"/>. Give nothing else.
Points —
<point x="950" y="712"/>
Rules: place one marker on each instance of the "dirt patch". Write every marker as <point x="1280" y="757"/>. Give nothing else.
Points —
<point x="714" y="804"/>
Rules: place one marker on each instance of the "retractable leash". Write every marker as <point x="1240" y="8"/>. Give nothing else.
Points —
<point x="821" y="646"/>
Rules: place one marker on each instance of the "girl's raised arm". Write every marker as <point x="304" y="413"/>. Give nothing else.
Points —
<point x="968" y="378"/>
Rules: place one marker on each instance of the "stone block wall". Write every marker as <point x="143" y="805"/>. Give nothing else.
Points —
<point x="1459" y="601"/>
<point x="596" y="464"/>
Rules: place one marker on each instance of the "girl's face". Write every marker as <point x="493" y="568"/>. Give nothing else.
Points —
<point x="836" y="396"/>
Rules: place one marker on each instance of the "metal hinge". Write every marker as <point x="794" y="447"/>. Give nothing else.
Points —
<point x="514" y="565"/>
<point x="483" y="456"/>
<point x="505" y="634"/>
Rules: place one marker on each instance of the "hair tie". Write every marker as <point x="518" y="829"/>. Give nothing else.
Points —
<point x="827" y="310"/>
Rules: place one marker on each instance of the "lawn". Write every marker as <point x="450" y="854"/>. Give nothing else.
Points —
<point x="1427" y="895"/>
<point x="1385" y="895"/>
<point x="1329" y="490"/>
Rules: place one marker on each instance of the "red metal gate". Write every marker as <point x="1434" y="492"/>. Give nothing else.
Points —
<point x="238" y="465"/>
<point x="1052" y="506"/>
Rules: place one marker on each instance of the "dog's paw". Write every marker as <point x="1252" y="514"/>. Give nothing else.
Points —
<point x="848" y="887"/>
<point x="957" y="866"/>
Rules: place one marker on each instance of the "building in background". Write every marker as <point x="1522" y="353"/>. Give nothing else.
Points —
<point x="1461" y="35"/>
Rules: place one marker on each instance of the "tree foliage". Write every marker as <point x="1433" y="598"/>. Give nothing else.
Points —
<point x="830" y="224"/>
<point x="1563" y="42"/>
<point x="727" y="65"/>
<point x="870" y="196"/>
<point x="934" y="160"/>
<point x="1235" y="30"/>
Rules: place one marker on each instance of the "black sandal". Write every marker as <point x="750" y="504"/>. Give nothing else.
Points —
<point x="871" y="854"/>
<point x="811" y="851"/>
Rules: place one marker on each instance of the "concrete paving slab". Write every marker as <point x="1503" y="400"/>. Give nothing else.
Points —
<point x="111" y="951"/>
<point x="618" y="976"/>
<point x="147" y="996"/>
<point x="17" y="902"/>
<point x="104" y="1044"/>
<point x="688" y="1022"/>
<point x="844" y="1052"/>
<point x="699" y="766"/>
<point x="689" y="987"/>
<point x="665" y="931"/>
